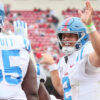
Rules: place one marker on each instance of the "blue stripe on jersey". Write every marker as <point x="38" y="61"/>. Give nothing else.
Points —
<point x="25" y="43"/>
<point x="1" y="75"/>
<point x="11" y="41"/>
<point x="38" y="69"/>
<point x="81" y="55"/>
<point x="29" y="46"/>
<point x="77" y="59"/>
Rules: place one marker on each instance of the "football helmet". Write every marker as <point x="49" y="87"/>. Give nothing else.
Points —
<point x="2" y="15"/>
<point x="72" y="25"/>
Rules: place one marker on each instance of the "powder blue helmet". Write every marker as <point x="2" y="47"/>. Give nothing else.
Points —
<point x="2" y="15"/>
<point x="72" y="25"/>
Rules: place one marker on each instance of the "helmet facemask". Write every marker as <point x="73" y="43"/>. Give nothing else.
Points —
<point x="66" y="45"/>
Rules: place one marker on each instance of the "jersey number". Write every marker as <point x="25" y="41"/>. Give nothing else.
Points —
<point x="66" y="81"/>
<point x="10" y="69"/>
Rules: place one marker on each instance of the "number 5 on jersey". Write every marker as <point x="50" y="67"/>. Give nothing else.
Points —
<point x="10" y="70"/>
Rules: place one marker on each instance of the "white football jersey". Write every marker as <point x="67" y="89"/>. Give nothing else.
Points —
<point x="78" y="84"/>
<point x="14" y="59"/>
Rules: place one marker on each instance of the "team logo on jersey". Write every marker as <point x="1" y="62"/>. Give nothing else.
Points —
<point x="71" y="65"/>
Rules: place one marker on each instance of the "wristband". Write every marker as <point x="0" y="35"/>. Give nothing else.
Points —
<point x="91" y="28"/>
<point x="53" y="67"/>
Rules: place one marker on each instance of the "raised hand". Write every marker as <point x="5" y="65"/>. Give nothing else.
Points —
<point x="20" y="28"/>
<point x="87" y="15"/>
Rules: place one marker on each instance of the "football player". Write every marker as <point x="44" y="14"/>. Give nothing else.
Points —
<point x="16" y="75"/>
<point x="77" y="76"/>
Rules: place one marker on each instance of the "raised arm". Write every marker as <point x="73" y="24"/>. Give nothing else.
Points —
<point x="87" y="18"/>
<point x="43" y="93"/>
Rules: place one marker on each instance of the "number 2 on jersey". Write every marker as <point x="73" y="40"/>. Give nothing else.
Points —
<point x="8" y="70"/>
<point x="67" y="88"/>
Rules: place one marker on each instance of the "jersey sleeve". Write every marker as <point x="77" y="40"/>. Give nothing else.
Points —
<point x="90" y="69"/>
<point x="85" y="51"/>
<point x="88" y="48"/>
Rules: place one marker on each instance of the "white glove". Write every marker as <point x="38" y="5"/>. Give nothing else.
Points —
<point x="20" y="28"/>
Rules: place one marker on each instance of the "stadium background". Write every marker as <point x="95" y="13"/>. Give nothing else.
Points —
<point x="43" y="17"/>
<point x="57" y="5"/>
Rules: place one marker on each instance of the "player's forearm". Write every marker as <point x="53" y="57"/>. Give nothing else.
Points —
<point x="59" y="89"/>
<point x="43" y="93"/>
<point x="95" y="39"/>
<point x="57" y="82"/>
<point x="29" y="84"/>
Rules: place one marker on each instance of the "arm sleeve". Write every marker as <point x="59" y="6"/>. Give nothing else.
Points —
<point x="90" y="69"/>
